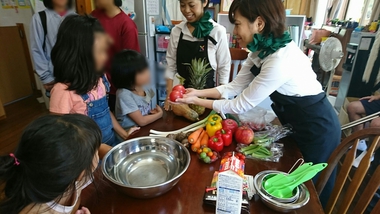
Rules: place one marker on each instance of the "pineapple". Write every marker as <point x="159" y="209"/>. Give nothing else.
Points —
<point x="199" y="72"/>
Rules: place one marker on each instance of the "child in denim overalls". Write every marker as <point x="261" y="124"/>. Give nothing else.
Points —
<point x="78" y="57"/>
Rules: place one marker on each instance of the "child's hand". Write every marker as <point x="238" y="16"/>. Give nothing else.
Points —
<point x="154" y="111"/>
<point x="157" y="110"/>
<point x="167" y="106"/>
<point x="83" y="210"/>
<point x="133" y="129"/>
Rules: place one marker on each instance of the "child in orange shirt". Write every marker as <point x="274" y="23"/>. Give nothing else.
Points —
<point x="79" y="57"/>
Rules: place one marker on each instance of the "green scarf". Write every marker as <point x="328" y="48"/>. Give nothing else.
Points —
<point x="203" y="26"/>
<point x="268" y="45"/>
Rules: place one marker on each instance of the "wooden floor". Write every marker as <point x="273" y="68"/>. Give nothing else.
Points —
<point x="19" y="115"/>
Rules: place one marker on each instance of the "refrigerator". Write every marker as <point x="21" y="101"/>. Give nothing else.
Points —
<point x="147" y="14"/>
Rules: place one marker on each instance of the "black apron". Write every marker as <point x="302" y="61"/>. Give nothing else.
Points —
<point x="315" y="125"/>
<point x="187" y="51"/>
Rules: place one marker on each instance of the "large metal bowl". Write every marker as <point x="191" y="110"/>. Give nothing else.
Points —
<point x="302" y="200"/>
<point x="146" y="167"/>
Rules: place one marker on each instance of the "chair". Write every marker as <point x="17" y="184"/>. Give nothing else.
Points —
<point x="348" y="149"/>
<point x="238" y="56"/>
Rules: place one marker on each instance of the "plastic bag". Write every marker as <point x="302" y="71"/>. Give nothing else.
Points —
<point x="274" y="151"/>
<point x="271" y="134"/>
<point x="255" y="119"/>
<point x="264" y="145"/>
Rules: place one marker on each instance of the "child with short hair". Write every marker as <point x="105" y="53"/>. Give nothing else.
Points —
<point x="123" y="31"/>
<point x="79" y="57"/>
<point x="130" y="75"/>
<point x="53" y="163"/>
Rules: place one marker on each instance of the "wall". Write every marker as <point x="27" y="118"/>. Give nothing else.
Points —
<point x="174" y="11"/>
<point x="9" y="17"/>
<point x="320" y="13"/>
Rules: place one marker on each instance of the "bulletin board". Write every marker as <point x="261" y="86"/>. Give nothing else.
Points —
<point x="128" y="5"/>
<point x="11" y="4"/>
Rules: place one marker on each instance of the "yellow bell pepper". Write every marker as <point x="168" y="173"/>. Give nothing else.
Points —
<point x="214" y="118"/>
<point x="213" y="124"/>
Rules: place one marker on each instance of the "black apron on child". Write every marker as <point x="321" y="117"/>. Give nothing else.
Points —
<point x="315" y="125"/>
<point x="189" y="50"/>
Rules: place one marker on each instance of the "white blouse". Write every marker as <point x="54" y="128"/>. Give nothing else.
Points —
<point x="288" y="71"/>
<point x="219" y="54"/>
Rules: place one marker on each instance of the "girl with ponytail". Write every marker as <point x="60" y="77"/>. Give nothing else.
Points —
<point x="53" y="162"/>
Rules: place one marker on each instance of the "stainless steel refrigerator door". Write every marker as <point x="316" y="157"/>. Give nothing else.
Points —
<point x="143" y="42"/>
<point x="141" y="16"/>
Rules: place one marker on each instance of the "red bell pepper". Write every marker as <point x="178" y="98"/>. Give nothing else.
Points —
<point x="216" y="143"/>
<point x="226" y="136"/>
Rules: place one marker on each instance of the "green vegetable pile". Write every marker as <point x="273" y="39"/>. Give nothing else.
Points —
<point x="263" y="140"/>
<point x="256" y="151"/>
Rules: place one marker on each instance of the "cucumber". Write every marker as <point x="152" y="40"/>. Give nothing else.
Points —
<point x="256" y="151"/>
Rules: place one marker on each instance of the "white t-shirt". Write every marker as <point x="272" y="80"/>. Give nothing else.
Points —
<point x="54" y="208"/>
<point x="219" y="54"/>
<point x="287" y="71"/>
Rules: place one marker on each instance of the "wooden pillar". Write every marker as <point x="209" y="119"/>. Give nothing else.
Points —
<point x="84" y="6"/>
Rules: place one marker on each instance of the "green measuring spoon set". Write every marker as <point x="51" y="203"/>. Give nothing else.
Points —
<point x="282" y="186"/>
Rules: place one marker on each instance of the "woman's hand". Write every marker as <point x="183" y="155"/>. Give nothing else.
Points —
<point x="83" y="210"/>
<point x="371" y="98"/>
<point x="195" y="100"/>
<point x="192" y="92"/>
<point x="188" y="99"/>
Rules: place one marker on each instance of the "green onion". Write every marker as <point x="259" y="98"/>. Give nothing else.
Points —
<point x="189" y="128"/>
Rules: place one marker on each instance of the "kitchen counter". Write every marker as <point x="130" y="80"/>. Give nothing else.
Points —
<point x="187" y="196"/>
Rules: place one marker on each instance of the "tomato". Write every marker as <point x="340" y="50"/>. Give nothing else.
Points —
<point x="210" y="154"/>
<point x="179" y="88"/>
<point x="206" y="150"/>
<point x="174" y="95"/>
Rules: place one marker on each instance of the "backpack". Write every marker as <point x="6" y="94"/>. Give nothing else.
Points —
<point x="44" y="26"/>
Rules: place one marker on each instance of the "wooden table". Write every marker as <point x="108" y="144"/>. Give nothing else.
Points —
<point x="187" y="196"/>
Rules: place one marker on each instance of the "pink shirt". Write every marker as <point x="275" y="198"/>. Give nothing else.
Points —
<point x="63" y="101"/>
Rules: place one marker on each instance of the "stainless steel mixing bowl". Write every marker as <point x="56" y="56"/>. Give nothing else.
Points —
<point x="303" y="197"/>
<point x="146" y="167"/>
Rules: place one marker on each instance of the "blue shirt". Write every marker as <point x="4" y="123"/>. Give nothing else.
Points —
<point x="128" y="102"/>
<point x="41" y="57"/>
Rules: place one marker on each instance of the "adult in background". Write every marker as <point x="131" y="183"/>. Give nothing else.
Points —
<point x="43" y="34"/>
<point x="365" y="106"/>
<point x="199" y="37"/>
<point x="276" y="67"/>
<point x="123" y="32"/>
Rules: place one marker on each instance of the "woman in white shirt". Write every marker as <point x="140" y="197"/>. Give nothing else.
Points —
<point x="276" y="68"/>
<point x="199" y="37"/>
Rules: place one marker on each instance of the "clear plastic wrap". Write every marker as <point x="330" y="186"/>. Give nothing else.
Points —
<point x="255" y="119"/>
<point x="274" y="152"/>
<point x="271" y="134"/>
<point x="264" y="145"/>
